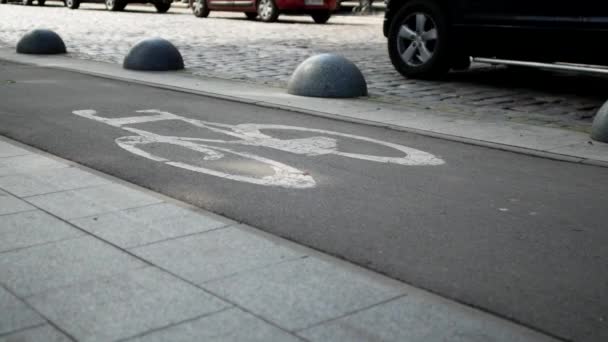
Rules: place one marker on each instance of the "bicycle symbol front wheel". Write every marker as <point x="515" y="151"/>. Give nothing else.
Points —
<point x="322" y="145"/>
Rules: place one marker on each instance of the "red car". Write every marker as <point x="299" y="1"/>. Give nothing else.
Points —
<point x="268" y="10"/>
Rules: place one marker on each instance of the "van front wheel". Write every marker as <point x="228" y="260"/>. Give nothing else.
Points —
<point x="419" y="41"/>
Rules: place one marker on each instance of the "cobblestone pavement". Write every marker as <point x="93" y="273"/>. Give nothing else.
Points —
<point x="226" y="45"/>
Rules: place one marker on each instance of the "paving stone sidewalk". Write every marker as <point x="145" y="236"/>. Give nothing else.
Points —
<point x="225" y="45"/>
<point x="86" y="257"/>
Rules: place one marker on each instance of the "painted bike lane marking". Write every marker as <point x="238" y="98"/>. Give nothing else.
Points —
<point x="251" y="135"/>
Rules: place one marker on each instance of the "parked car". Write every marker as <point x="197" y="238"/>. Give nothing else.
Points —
<point x="162" y="6"/>
<point x="29" y="2"/>
<point x="426" y="38"/>
<point x="268" y="10"/>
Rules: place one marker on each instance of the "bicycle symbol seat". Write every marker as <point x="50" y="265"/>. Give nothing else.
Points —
<point x="322" y="143"/>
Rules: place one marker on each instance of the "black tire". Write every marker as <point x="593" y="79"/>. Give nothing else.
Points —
<point x="268" y="11"/>
<point x="3" y="1"/>
<point x="200" y="8"/>
<point x="115" y="5"/>
<point x="321" y="17"/>
<point x="72" y="4"/>
<point x="251" y="15"/>
<point x="41" y="2"/>
<point x="442" y="46"/>
<point x="162" y="7"/>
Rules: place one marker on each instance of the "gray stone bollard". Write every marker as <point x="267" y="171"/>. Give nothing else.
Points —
<point x="327" y="75"/>
<point x="154" y="54"/>
<point x="41" y="42"/>
<point x="599" y="129"/>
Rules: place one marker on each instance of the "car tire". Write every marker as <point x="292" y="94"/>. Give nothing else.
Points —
<point x="251" y="15"/>
<point x="72" y="4"/>
<point x="162" y="7"/>
<point x="321" y="17"/>
<point x="200" y="8"/>
<point x="3" y="1"/>
<point x="115" y="5"/>
<point x="419" y="41"/>
<point x="268" y="11"/>
<point x="41" y="2"/>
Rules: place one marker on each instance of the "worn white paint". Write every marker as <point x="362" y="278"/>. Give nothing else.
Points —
<point x="251" y="135"/>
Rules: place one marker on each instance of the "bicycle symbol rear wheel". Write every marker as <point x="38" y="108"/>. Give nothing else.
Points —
<point x="283" y="175"/>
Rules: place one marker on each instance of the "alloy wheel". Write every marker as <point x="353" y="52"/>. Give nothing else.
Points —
<point x="198" y="7"/>
<point x="417" y="39"/>
<point x="266" y="8"/>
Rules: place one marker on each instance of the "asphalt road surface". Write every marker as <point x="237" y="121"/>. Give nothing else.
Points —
<point x="520" y="236"/>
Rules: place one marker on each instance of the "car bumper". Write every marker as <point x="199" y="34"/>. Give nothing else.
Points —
<point x="307" y="5"/>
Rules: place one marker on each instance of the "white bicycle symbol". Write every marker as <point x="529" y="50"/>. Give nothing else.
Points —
<point x="250" y="135"/>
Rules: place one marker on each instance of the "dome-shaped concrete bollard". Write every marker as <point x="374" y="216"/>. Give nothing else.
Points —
<point x="327" y="75"/>
<point x="154" y="54"/>
<point x="599" y="129"/>
<point x="41" y="42"/>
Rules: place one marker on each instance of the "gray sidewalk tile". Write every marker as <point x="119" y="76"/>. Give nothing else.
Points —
<point x="215" y="254"/>
<point x="14" y="314"/>
<point x="144" y="225"/>
<point x="44" y="333"/>
<point x="9" y="150"/>
<point x="11" y="205"/>
<point x="27" y="163"/>
<point x="421" y="317"/>
<point x="233" y="325"/>
<point x="301" y="293"/>
<point x="92" y="201"/>
<point x="35" y="269"/>
<point x="53" y="180"/>
<point x="125" y="305"/>
<point x="32" y="228"/>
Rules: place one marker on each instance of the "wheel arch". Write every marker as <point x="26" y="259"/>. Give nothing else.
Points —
<point x="394" y="6"/>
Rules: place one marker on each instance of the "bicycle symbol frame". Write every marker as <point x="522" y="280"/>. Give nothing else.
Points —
<point x="250" y="135"/>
